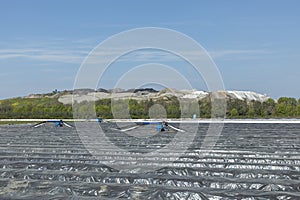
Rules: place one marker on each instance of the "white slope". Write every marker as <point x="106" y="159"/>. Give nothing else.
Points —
<point x="248" y="95"/>
<point x="181" y="94"/>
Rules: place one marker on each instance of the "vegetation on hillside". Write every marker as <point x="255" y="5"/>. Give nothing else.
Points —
<point x="50" y="107"/>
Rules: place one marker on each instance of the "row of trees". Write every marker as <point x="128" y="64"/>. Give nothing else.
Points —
<point x="34" y="108"/>
<point x="172" y="108"/>
<point x="285" y="107"/>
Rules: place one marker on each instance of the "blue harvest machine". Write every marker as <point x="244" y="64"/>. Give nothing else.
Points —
<point x="58" y="123"/>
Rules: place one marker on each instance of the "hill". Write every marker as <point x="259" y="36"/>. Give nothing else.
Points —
<point x="58" y="104"/>
<point x="149" y="93"/>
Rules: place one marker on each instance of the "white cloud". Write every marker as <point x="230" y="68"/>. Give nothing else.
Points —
<point x="77" y="56"/>
<point x="43" y="54"/>
<point x="76" y="52"/>
<point x="239" y="54"/>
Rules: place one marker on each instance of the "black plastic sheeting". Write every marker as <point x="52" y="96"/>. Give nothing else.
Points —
<point x="249" y="161"/>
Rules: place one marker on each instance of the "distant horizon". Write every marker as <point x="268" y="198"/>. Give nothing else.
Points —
<point x="128" y="90"/>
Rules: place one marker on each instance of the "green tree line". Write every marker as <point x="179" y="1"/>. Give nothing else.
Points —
<point x="44" y="107"/>
<point x="34" y="108"/>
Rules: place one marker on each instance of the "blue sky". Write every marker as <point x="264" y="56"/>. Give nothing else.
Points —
<point x="255" y="44"/>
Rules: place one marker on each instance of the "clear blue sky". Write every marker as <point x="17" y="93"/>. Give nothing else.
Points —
<point x="254" y="43"/>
